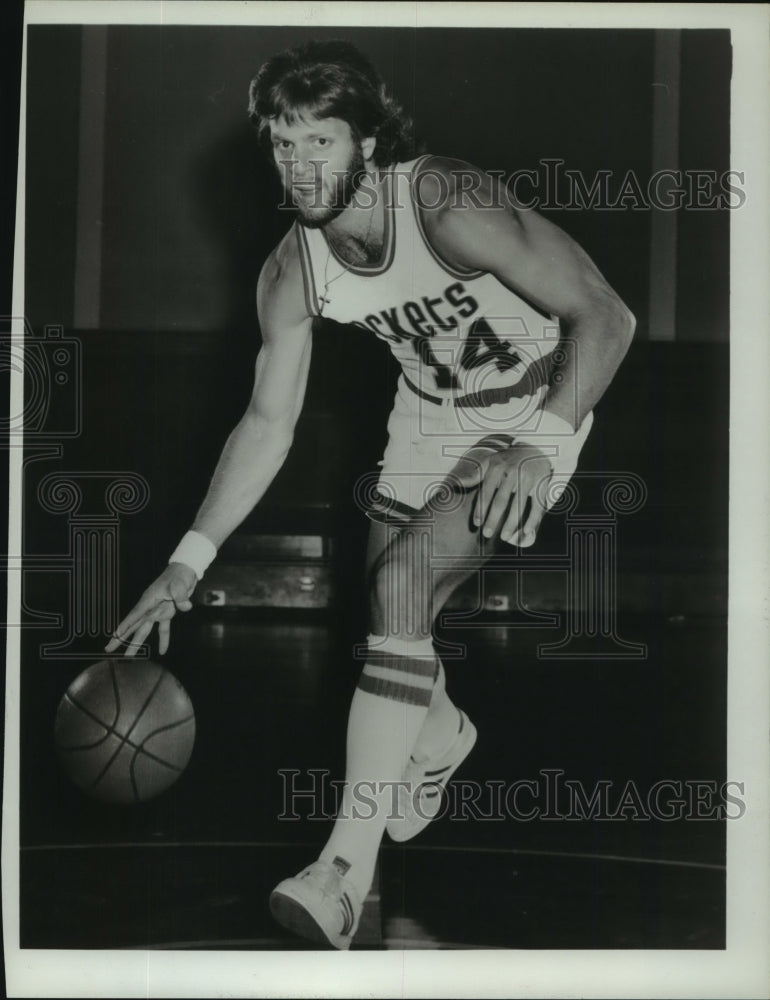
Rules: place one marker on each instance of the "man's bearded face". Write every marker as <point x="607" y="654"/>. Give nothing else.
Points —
<point x="321" y="166"/>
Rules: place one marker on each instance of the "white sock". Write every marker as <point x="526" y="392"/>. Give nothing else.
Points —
<point x="388" y="709"/>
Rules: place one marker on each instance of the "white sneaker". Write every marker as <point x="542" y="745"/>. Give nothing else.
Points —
<point x="319" y="904"/>
<point x="420" y="800"/>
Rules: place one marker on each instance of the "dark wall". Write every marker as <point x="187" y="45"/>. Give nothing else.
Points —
<point x="189" y="203"/>
<point x="189" y="212"/>
<point x="703" y="305"/>
<point x="53" y="106"/>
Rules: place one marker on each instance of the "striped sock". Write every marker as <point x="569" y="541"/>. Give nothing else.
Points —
<point x="386" y="714"/>
<point x="400" y="673"/>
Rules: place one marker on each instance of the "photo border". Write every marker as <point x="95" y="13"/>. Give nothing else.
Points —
<point x="741" y="970"/>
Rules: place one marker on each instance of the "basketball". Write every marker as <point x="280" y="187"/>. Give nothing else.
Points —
<point x="124" y="730"/>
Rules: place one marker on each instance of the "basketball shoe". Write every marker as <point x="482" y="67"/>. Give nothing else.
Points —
<point x="418" y="800"/>
<point x="319" y="904"/>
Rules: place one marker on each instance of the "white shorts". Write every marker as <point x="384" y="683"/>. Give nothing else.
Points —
<point x="426" y="440"/>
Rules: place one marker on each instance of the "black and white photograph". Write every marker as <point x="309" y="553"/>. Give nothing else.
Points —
<point x="387" y="457"/>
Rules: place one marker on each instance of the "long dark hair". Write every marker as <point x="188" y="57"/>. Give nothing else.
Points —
<point x="331" y="80"/>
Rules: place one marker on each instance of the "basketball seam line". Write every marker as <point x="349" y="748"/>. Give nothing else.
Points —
<point x="116" y="693"/>
<point x="160" y="729"/>
<point x="79" y="747"/>
<point x="95" y="718"/>
<point x="116" y="690"/>
<point x="124" y="740"/>
<point x="140" y="750"/>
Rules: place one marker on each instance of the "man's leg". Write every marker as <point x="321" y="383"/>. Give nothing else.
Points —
<point x="442" y="719"/>
<point x="387" y="713"/>
<point x="398" y="691"/>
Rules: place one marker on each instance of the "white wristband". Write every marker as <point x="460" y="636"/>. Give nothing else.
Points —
<point x="195" y="551"/>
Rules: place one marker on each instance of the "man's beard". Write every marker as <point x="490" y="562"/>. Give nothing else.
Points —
<point x="345" y="186"/>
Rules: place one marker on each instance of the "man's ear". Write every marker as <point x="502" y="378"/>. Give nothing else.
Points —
<point x="367" y="147"/>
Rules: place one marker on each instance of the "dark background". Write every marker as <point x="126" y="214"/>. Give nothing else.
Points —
<point x="189" y="215"/>
<point x="189" y="203"/>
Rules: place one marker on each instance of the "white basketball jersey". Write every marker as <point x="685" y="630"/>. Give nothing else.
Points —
<point x="456" y="333"/>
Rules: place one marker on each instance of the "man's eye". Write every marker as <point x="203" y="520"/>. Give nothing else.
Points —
<point x="320" y="141"/>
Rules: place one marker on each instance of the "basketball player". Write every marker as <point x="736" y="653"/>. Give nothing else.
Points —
<point x="507" y="335"/>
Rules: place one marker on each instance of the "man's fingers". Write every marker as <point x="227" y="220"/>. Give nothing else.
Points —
<point x="162" y="613"/>
<point x="121" y="635"/>
<point x="515" y="512"/>
<point x="522" y="525"/>
<point x="140" y="635"/>
<point x="159" y="603"/>
<point x="489" y="486"/>
<point x="520" y="530"/>
<point x="500" y="503"/>
<point x="470" y="470"/>
<point x="164" y="635"/>
<point x="145" y="604"/>
<point x="531" y="526"/>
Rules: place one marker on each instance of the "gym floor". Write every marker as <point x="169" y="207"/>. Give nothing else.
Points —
<point x="194" y="868"/>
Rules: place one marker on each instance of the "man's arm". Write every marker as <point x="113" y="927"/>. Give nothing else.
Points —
<point x="537" y="260"/>
<point x="253" y="454"/>
<point x="258" y="445"/>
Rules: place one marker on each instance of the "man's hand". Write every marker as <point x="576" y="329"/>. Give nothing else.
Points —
<point x="159" y="603"/>
<point x="509" y="479"/>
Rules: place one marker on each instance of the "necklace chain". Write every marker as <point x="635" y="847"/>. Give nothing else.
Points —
<point x="345" y="265"/>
